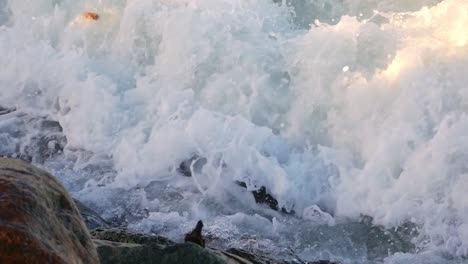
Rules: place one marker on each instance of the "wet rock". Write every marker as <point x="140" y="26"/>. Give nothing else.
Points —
<point x="195" y="163"/>
<point x="39" y="223"/>
<point x="4" y="110"/>
<point x="323" y="262"/>
<point x="252" y="258"/>
<point x="117" y="245"/>
<point x="248" y="257"/>
<point x="263" y="197"/>
<point x="30" y="138"/>
<point x="122" y="235"/>
<point x="92" y="219"/>
<point x="187" y="253"/>
<point x="195" y="236"/>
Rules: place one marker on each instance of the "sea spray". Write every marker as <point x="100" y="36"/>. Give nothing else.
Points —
<point x="355" y="107"/>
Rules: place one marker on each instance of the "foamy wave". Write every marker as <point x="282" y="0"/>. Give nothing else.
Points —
<point x="362" y="112"/>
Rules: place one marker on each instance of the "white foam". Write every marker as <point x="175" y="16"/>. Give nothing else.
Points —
<point x="367" y="116"/>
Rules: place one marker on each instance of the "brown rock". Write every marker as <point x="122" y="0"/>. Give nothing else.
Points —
<point x="39" y="223"/>
<point x="90" y="15"/>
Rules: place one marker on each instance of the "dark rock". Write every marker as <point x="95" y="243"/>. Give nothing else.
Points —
<point x="116" y="245"/>
<point x="196" y="162"/>
<point x="50" y="125"/>
<point x="39" y="223"/>
<point x="260" y="259"/>
<point x="263" y="197"/>
<point x="323" y="262"/>
<point x="122" y="235"/>
<point x="195" y="236"/>
<point x="252" y="258"/>
<point x="187" y="253"/>
<point x="30" y="138"/>
<point x="92" y="219"/>
<point x="4" y="111"/>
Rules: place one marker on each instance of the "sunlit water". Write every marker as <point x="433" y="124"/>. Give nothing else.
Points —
<point x="340" y="108"/>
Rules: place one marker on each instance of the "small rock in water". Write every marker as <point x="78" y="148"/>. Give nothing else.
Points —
<point x="195" y="235"/>
<point x="263" y="197"/>
<point x="90" y="15"/>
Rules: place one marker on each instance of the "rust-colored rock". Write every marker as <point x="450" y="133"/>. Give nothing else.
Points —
<point x="39" y="223"/>
<point x="90" y="15"/>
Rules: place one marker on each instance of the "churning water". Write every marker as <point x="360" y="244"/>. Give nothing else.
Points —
<point x="340" y="108"/>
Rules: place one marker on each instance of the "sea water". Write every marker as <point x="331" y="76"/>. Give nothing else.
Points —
<point x="343" y="109"/>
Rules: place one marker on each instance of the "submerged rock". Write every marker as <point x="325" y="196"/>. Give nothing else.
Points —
<point x="39" y="223"/>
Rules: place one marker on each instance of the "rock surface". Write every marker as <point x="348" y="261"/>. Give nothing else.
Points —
<point x="122" y="235"/>
<point x="29" y="137"/>
<point x="39" y="223"/>
<point x="92" y="219"/>
<point x="117" y="245"/>
<point x="195" y="236"/>
<point x="187" y="253"/>
<point x="261" y="196"/>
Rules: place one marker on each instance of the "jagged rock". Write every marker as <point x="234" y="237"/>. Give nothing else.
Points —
<point x="92" y="219"/>
<point x="263" y="197"/>
<point x="195" y="236"/>
<point x="122" y="235"/>
<point x="39" y="223"/>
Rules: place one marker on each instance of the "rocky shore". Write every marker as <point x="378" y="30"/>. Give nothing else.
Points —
<point x="41" y="223"/>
